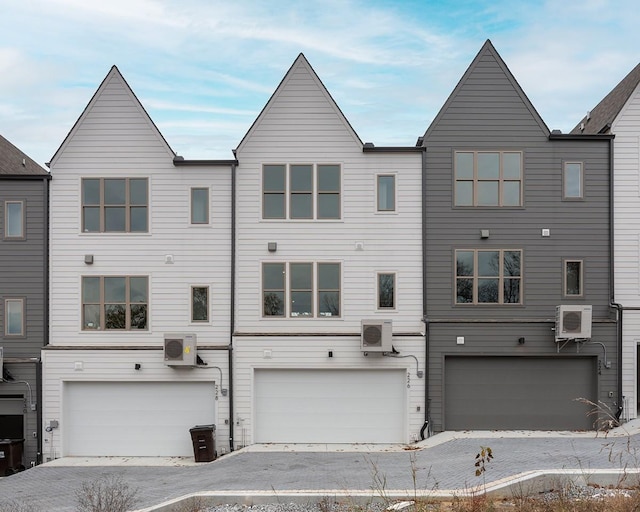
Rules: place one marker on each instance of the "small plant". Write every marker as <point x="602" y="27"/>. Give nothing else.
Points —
<point x="482" y="459"/>
<point x="16" y="506"/>
<point x="107" y="494"/>
<point x="604" y="418"/>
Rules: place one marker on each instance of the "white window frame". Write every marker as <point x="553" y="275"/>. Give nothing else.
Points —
<point x="394" y="291"/>
<point x="565" y="177"/>
<point x="207" y="206"/>
<point x="565" y="277"/>
<point x="21" y="302"/>
<point x="394" y="209"/>
<point x="208" y="304"/>
<point x="22" y="234"/>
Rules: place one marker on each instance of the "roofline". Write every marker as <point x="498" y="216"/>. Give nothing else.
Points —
<point x="392" y="149"/>
<point x="179" y="161"/>
<point x="581" y="136"/>
<point x="25" y="176"/>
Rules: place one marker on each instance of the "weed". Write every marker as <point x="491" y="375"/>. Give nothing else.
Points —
<point x="16" y="506"/>
<point x="107" y="494"/>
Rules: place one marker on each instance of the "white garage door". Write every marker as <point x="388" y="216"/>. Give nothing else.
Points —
<point x="330" y="406"/>
<point x="144" y="419"/>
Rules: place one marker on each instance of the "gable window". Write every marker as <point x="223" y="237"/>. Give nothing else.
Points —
<point x="115" y="302"/>
<point x="488" y="276"/>
<point x="14" y="219"/>
<point x="199" y="303"/>
<point x="488" y="178"/>
<point x="386" y="290"/>
<point x="386" y="185"/>
<point x="14" y="317"/>
<point x="115" y="205"/>
<point x="573" y="278"/>
<point x="199" y="206"/>
<point x="572" y="180"/>
<point x="301" y="191"/>
<point x="301" y="289"/>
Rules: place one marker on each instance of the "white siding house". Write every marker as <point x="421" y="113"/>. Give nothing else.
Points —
<point x="329" y="235"/>
<point x="619" y="113"/>
<point x="136" y="242"/>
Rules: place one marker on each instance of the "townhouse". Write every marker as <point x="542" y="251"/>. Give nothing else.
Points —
<point x="619" y="114"/>
<point x="24" y="189"/>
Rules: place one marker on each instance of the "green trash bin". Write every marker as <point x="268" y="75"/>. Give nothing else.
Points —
<point x="11" y="456"/>
<point x="204" y="442"/>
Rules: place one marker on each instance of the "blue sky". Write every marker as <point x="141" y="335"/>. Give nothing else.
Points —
<point x="204" y="69"/>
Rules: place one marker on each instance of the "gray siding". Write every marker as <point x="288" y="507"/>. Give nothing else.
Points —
<point x="488" y="110"/>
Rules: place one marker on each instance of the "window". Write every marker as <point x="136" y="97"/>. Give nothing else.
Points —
<point x="115" y="302"/>
<point x="386" y="185"/>
<point x="118" y="205"/>
<point x="14" y="219"/>
<point x="573" y="278"/>
<point x="572" y="180"/>
<point x="488" y="178"/>
<point x="199" y="303"/>
<point x="301" y="191"/>
<point x="301" y="290"/>
<point x="488" y="276"/>
<point x="14" y="317"/>
<point x="386" y="291"/>
<point x="199" y="206"/>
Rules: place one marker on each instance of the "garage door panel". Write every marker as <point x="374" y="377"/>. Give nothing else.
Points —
<point x="518" y="393"/>
<point x="134" y="418"/>
<point x="330" y="406"/>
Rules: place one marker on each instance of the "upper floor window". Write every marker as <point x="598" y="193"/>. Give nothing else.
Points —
<point x="119" y="205"/>
<point x="14" y="317"/>
<point x="386" y="185"/>
<point x="301" y="191"/>
<point x="488" y="178"/>
<point x="14" y="219"/>
<point x="199" y="206"/>
<point x="386" y="290"/>
<point x="573" y="278"/>
<point x="301" y="290"/>
<point x="199" y="303"/>
<point x="115" y="302"/>
<point x="488" y="276"/>
<point x="572" y="181"/>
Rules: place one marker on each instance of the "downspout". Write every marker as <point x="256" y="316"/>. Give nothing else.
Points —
<point x="423" y="200"/>
<point x="232" y="317"/>
<point x="45" y="340"/>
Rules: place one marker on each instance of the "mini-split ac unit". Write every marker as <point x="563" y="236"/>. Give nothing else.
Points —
<point x="376" y="336"/>
<point x="180" y="349"/>
<point x="573" y="322"/>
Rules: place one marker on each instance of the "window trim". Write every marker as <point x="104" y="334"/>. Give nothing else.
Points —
<point x="208" y="303"/>
<point x="394" y="291"/>
<point x="206" y="222"/>
<point x="395" y="193"/>
<point x="23" y="326"/>
<point x="23" y="221"/>
<point x="128" y="206"/>
<point x="475" y="180"/>
<point x="315" y="290"/>
<point x="102" y="303"/>
<point x="287" y="192"/>
<point x="565" y="195"/>
<point x="565" y="280"/>
<point x="475" y="277"/>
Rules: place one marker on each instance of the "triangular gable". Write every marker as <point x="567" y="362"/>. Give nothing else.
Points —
<point x="602" y="117"/>
<point x="113" y="77"/>
<point x="14" y="162"/>
<point x="300" y="65"/>
<point x="487" y="50"/>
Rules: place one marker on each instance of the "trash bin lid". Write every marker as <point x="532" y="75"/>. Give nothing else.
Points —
<point x="202" y="427"/>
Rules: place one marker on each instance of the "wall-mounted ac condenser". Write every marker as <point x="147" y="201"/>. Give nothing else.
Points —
<point x="573" y="322"/>
<point x="180" y="349"/>
<point x="376" y="336"/>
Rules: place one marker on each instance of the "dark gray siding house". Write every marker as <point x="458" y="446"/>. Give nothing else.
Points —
<point x="24" y="189"/>
<point x="517" y="223"/>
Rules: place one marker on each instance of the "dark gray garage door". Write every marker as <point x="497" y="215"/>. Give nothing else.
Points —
<point x="506" y="393"/>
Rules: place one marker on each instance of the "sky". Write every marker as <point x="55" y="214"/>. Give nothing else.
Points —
<point x="204" y="69"/>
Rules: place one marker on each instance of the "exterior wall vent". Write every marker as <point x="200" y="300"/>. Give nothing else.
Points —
<point x="573" y="322"/>
<point x="376" y="336"/>
<point x="180" y="349"/>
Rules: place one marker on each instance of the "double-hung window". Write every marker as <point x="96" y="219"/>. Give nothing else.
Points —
<point x="14" y="220"/>
<point x="488" y="276"/>
<point x="488" y="178"/>
<point x="115" y="303"/>
<point x="14" y="324"/>
<point x="115" y="205"/>
<point x="572" y="180"/>
<point x="301" y="191"/>
<point x="301" y="289"/>
<point x="573" y="275"/>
